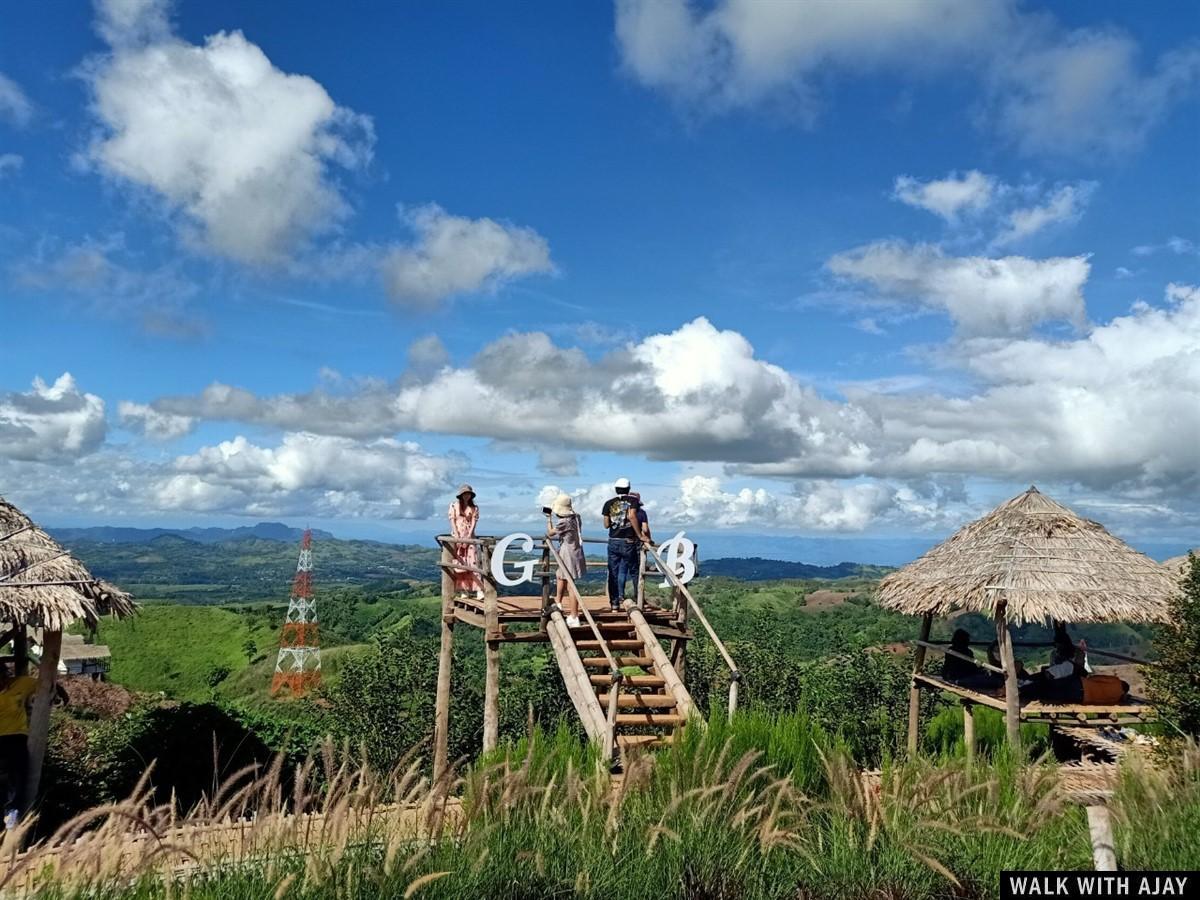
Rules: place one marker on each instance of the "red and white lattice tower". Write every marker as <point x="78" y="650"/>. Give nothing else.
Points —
<point x="298" y="666"/>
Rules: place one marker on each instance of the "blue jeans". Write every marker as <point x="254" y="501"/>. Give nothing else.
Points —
<point x="622" y="566"/>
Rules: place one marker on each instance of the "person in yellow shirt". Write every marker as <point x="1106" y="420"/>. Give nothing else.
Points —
<point x="15" y="694"/>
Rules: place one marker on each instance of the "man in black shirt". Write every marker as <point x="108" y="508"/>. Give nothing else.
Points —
<point x="620" y="518"/>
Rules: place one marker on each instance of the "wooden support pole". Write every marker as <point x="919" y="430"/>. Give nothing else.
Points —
<point x="39" y="719"/>
<point x="679" y="657"/>
<point x="1104" y="857"/>
<point x="969" y="730"/>
<point x="20" y="650"/>
<point x="1012" y="697"/>
<point x="441" y="720"/>
<point x="733" y="696"/>
<point x="674" y="684"/>
<point x="914" y="693"/>
<point x="491" y="681"/>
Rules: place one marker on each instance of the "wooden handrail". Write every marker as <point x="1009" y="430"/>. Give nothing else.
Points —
<point x="614" y="670"/>
<point x="734" y="675"/>
<point x="946" y="651"/>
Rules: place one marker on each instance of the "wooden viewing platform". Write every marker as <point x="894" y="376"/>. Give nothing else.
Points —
<point x="623" y="669"/>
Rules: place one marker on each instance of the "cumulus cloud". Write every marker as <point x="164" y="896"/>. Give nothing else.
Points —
<point x="947" y="197"/>
<point x="698" y="392"/>
<point x="1119" y="405"/>
<point x="741" y="52"/>
<point x="1013" y="212"/>
<point x="1086" y="92"/>
<point x="51" y="422"/>
<point x="1063" y="206"/>
<point x="240" y="149"/>
<point x="1048" y="89"/>
<point x="14" y="105"/>
<point x="983" y="296"/>
<point x="456" y="255"/>
<point x="153" y="424"/>
<point x="815" y="506"/>
<point x="308" y="473"/>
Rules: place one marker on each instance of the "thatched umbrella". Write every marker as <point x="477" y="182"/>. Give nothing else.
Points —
<point x="1177" y="565"/>
<point x="1030" y="559"/>
<point x="43" y="586"/>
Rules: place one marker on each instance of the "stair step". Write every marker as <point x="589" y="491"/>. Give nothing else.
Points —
<point x="631" y="644"/>
<point x="601" y="662"/>
<point x="648" y="718"/>
<point x="604" y="626"/>
<point x="646" y="701"/>
<point x="648" y="741"/>
<point x="632" y="680"/>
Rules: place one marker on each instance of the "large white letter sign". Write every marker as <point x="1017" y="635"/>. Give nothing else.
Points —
<point x="679" y="553"/>
<point x="524" y="567"/>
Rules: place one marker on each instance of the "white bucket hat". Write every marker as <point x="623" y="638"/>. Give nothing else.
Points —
<point x="562" y="506"/>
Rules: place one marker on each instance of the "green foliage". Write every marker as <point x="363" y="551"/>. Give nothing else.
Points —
<point x="384" y="697"/>
<point x="180" y="650"/>
<point x="1175" y="682"/>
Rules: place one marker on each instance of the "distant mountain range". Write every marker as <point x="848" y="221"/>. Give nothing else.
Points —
<point x="220" y="565"/>
<point x="106" y="534"/>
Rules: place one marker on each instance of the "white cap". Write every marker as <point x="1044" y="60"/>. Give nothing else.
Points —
<point x="622" y="484"/>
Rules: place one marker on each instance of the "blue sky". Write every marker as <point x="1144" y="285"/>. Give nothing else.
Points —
<point x="854" y="270"/>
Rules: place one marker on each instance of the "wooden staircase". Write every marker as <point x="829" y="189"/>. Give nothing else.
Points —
<point x="650" y="703"/>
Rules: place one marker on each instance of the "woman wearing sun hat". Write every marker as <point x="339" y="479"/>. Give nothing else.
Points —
<point x="464" y="516"/>
<point x="566" y="529"/>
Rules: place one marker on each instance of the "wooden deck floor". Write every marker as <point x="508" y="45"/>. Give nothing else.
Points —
<point x="1134" y="711"/>
<point x="528" y="610"/>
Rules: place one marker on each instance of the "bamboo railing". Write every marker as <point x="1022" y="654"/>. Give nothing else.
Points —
<point x="735" y="676"/>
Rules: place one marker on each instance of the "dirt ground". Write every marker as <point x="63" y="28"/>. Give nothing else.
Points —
<point x="825" y="599"/>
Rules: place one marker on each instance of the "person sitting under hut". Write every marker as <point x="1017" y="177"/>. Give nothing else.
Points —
<point x="965" y="672"/>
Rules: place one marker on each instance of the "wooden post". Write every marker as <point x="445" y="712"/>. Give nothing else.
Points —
<point x="1104" y="857"/>
<point x="546" y="592"/>
<point x="914" y="693"/>
<point x="969" y="730"/>
<point x="39" y="719"/>
<point x="1012" y="698"/>
<point x="20" y="650"/>
<point x="641" y="577"/>
<point x="441" y="721"/>
<point x="733" y="696"/>
<point x="491" y="683"/>
<point x="679" y="657"/>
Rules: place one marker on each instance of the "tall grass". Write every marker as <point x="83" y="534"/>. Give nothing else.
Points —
<point x="765" y="807"/>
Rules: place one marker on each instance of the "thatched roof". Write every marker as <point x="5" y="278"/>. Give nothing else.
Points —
<point x="43" y="585"/>
<point x="1042" y="560"/>
<point x="1176" y="564"/>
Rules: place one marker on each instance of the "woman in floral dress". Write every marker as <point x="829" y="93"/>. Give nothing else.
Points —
<point x="464" y="516"/>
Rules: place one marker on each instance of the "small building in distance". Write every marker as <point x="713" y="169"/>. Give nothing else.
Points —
<point x="80" y="658"/>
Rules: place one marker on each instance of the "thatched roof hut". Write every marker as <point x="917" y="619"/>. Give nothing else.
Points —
<point x="42" y="585"/>
<point x="1040" y="561"/>
<point x="1177" y="564"/>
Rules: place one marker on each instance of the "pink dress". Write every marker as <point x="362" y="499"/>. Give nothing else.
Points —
<point x="462" y="525"/>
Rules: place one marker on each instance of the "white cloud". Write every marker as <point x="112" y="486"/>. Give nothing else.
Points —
<point x="307" y="473"/>
<point x="816" y="505"/>
<point x="154" y="424"/>
<point x="1178" y="245"/>
<point x="14" y="105"/>
<point x="1063" y="206"/>
<point x="1116" y="407"/>
<point x="456" y="255"/>
<point x="740" y="52"/>
<point x="51" y="422"/>
<point x="240" y="148"/>
<point x="10" y="162"/>
<point x="947" y="197"/>
<point x="1008" y="295"/>
<point x="1085" y="92"/>
<point x="1049" y="90"/>
<point x="1013" y="212"/>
